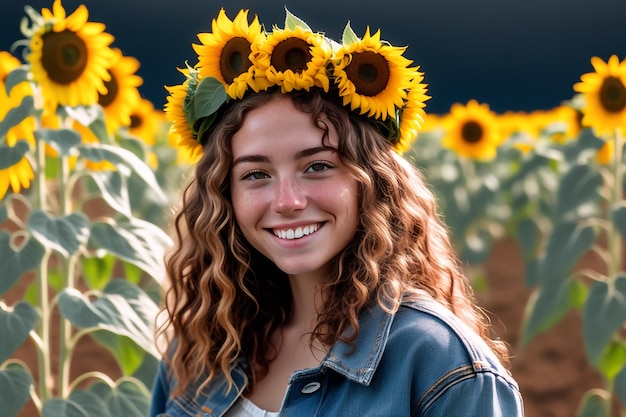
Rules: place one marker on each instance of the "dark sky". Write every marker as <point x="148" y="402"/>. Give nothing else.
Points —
<point x="511" y="54"/>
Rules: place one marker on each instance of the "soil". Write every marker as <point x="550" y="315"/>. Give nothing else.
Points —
<point x="552" y="370"/>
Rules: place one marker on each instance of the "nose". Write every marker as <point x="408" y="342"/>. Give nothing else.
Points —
<point x="288" y="196"/>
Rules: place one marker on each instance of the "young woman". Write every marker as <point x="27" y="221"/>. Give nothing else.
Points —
<point x="311" y="274"/>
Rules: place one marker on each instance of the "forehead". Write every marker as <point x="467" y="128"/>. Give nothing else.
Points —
<point x="278" y="125"/>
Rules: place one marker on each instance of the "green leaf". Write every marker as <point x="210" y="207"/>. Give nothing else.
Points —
<point x="79" y="404"/>
<point x="15" y="326"/>
<point x="292" y="22"/>
<point x="15" y="77"/>
<point x="612" y="360"/>
<point x="63" y="234"/>
<point x="123" y="309"/>
<point x="147" y="370"/>
<point x="92" y="117"/>
<point x="121" y="157"/>
<point x="544" y="309"/>
<point x="135" y="241"/>
<point x="603" y="314"/>
<point x="127" y="353"/>
<point x="113" y="189"/>
<point x="17" y="114"/>
<point x="349" y="37"/>
<point x="55" y="279"/>
<point x="595" y="403"/>
<point x="62" y="140"/>
<point x="11" y="155"/>
<point x="132" y="273"/>
<point x="528" y="234"/>
<point x="16" y="261"/>
<point x="136" y="146"/>
<point x="125" y="399"/>
<point x="98" y="271"/>
<point x="620" y="385"/>
<point x="578" y="186"/>
<point x="210" y="95"/>
<point x="566" y="244"/>
<point x="15" y="383"/>
<point x="619" y="219"/>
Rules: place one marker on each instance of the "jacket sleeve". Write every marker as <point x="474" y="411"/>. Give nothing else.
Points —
<point x="160" y="391"/>
<point x="486" y="394"/>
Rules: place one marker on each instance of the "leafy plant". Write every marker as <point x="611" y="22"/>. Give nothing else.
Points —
<point x="87" y="237"/>
<point x="49" y="232"/>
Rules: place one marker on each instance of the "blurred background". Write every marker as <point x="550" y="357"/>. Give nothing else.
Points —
<point x="515" y="55"/>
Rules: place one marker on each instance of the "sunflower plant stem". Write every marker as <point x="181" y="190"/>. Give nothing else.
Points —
<point x="65" y="328"/>
<point x="617" y="195"/>
<point x="41" y="282"/>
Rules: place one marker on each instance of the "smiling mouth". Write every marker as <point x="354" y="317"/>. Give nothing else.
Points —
<point x="297" y="233"/>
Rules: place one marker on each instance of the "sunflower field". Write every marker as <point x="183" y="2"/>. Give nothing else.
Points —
<point x="89" y="173"/>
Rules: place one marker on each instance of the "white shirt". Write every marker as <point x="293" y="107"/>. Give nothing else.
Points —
<point x="243" y="407"/>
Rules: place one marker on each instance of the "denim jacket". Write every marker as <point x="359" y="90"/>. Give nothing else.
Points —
<point x="420" y="361"/>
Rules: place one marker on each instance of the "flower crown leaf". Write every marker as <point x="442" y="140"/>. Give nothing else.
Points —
<point x="210" y="95"/>
<point x="348" y="35"/>
<point x="292" y="22"/>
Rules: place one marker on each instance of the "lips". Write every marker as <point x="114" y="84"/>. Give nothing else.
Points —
<point x="296" y="233"/>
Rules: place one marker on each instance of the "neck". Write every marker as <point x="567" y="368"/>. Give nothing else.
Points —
<point x="307" y="302"/>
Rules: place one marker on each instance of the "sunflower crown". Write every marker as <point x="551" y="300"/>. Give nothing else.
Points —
<point x="368" y="76"/>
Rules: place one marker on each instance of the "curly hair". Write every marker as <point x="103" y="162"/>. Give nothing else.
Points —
<point x="226" y="299"/>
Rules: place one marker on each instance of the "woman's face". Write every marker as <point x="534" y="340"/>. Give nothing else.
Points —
<point x="294" y="200"/>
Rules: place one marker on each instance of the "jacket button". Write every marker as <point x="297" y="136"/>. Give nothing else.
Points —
<point x="311" y="387"/>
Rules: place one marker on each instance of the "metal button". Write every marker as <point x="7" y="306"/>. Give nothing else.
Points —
<point x="311" y="387"/>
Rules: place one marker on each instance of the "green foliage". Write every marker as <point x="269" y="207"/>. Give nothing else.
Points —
<point x="52" y="232"/>
<point x="561" y="204"/>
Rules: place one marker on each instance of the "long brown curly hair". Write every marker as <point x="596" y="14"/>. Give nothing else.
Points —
<point x="225" y="299"/>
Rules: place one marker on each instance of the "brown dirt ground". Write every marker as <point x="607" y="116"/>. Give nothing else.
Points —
<point x="552" y="370"/>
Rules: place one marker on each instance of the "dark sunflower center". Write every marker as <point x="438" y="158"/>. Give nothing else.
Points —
<point x="369" y="72"/>
<point x="64" y="56"/>
<point x="135" y="121"/>
<point x="113" y="89"/>
<point x="613" y="95"/>
<point x="472" y="132"/>
<point x="234" y="59"/>
<point x="291" y="54"/>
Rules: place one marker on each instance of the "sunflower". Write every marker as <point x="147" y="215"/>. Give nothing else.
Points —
<point x="19" y="175"/>
<point x="412" y="115"/>
<point x="372" y="76"/>
<point x="295" y="59"/>
<point x="472" y="131"/>
<point x="224" y="54"/>
<point x="605" y="95"/>
<point x="144" y="122"/>
<point x="122" y="95"/>
<point x="180" y="133"/>
<point x="69" y="57"/>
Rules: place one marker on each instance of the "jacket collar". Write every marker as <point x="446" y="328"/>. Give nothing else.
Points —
<point x="357" y="362"/>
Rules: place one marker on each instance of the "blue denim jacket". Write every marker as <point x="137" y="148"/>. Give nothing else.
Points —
<point x="420" y="361"/>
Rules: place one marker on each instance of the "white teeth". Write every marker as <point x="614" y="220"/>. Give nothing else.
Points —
<point x="291" y="234"/>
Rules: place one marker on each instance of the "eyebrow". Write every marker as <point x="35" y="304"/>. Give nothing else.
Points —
<point x="301" y="154"/>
